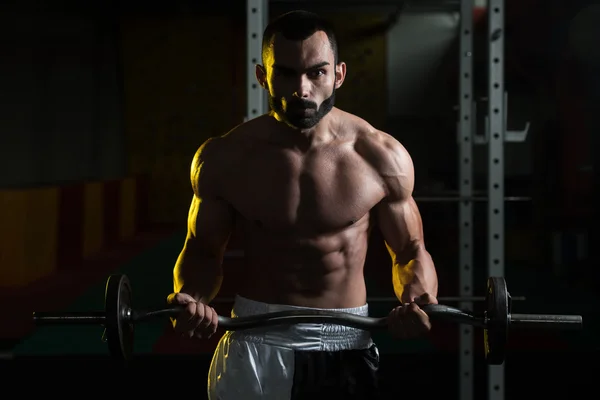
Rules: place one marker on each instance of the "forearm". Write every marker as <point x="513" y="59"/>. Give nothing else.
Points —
<point x="198" y="275"/>
<point x="414" y="275"/>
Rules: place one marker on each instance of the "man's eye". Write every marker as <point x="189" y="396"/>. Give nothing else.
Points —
<point x="317" y="73"/>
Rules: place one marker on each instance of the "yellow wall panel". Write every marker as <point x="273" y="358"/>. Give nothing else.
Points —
<point x="93" y="214"/>
<point x="28" y="235"/>
<point x="41" y="234"/>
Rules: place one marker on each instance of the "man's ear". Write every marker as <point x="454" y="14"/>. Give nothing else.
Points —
<point x="340" y="74"/>
<point x="261" y="75"/>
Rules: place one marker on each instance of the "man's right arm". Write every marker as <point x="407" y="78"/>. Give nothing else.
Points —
<point x="198" y="270"/>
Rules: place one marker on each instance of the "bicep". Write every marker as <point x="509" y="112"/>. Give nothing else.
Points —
<point x="401" y="226"/>
<point x="397" y="214"/>
<point x="210" y="223"/>
<point x="210" y="218"/>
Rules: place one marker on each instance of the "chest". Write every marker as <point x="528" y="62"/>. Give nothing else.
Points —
<point x="322" y="191"/>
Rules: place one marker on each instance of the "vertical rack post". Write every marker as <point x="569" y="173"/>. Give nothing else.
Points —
<point x="257" y="16"/>
<point x="465" y="184"/>
<point x="497" y="131"/>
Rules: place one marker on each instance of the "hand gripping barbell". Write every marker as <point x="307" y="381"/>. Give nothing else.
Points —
<point x="119" y="318"/>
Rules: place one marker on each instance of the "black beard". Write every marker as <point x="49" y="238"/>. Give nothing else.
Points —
<point x="296" y="120"/>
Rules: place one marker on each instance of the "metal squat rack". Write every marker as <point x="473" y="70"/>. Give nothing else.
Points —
<point x="495" y="135"/>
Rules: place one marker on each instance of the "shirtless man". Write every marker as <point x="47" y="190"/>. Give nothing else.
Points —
<point x="306" y="182"/>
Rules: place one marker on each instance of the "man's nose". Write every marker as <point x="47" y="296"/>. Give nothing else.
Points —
<point x="303" y="88"/>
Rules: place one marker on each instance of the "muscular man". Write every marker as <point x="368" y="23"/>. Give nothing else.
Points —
<point x="306" y="182"/>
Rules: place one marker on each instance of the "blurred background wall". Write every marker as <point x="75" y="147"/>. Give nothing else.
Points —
<point x="105" y="92"/>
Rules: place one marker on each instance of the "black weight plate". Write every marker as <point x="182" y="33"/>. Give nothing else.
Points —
<point x="497" y="315"/>
<point x="119" y="329"/>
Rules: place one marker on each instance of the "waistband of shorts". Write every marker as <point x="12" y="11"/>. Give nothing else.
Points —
<point x="304" y="336"/>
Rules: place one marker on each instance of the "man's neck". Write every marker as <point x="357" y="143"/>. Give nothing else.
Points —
<point x="305" y="139"/>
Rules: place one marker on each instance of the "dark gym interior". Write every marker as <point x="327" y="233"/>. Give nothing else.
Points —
<point x="105" y="103"/>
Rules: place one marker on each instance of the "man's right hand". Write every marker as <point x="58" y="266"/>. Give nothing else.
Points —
<point x="196" y="319"/>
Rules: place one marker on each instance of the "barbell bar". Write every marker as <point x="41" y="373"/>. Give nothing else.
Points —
<point x="119" y="318"/>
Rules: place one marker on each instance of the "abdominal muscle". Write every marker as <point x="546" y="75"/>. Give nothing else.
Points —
<point x="324" y="271"/>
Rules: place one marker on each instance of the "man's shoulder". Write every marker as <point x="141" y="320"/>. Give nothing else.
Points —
<point x="215" y="156"/>
<point x="382" y="151"/>
<point x="388" y="158"/>
<point x="228" y="145"/>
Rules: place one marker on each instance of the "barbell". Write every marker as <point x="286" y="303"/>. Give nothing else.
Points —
<point x="119" y="318"/>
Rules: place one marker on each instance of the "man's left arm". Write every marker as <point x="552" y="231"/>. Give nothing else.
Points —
<point x="399" y="220"/>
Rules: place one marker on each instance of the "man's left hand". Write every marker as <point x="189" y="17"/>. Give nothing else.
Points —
<point x="409" y="320"/>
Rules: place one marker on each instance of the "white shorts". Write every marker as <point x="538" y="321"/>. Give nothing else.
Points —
<point x="293" y="361"/>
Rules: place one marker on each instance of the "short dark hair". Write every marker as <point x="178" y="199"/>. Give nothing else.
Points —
<point x="298" y="25"/>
